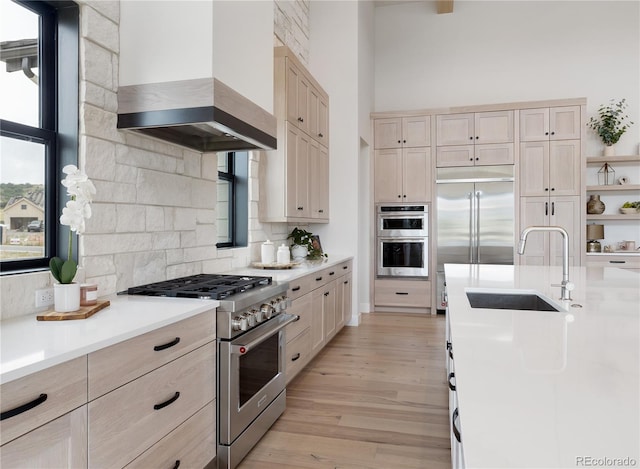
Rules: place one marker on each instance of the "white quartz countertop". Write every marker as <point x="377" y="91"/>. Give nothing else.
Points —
<point x="28" y="345"/>
<point x="299" y="270"/>
<point x="548" y="389"/>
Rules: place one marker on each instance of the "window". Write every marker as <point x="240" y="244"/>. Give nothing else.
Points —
<point x="233" y="199"/>
<point x="39" y="48"/>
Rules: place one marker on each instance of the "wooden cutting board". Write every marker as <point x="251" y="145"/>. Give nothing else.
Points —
<point x="83" y="313"/>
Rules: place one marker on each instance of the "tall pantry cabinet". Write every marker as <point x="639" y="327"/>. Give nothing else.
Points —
<point x="551" y="168"/>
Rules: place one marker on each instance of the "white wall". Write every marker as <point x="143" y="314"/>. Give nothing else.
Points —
<point x="333" y="61"/>
<point x="494" y="52"/>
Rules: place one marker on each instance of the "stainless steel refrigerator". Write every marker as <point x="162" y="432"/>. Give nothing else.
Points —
<point x="475" y="218"/>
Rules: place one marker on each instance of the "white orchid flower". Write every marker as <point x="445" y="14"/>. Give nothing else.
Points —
<point x="73" y="215"/>
<point x="78" y="183"/>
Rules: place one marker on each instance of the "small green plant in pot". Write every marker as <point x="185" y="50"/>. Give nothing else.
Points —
<point x="611" y="123"/>
<point x="304" y="239"/>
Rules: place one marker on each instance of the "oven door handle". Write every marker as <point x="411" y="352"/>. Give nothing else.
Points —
<point x="255" y="337"/>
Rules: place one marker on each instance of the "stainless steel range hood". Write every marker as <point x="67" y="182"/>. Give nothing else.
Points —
<point x="202" y="114"/>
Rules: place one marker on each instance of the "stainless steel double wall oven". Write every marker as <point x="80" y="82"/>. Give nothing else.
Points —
<point x="402" y="240"/>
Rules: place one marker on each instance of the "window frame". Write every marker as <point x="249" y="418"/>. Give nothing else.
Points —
<point x="58" y="56"/>
<point x="238" y="178"/>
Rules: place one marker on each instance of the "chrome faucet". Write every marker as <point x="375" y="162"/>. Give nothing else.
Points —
<point x="566" y="285"/>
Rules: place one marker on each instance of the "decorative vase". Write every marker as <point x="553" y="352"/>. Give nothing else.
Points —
<point x="299" y="252"/>
<point x="66" y="297"/>
<point x="609" y="150"/>
<point x="595" y="206"/>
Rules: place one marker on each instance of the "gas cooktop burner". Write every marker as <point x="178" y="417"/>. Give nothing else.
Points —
<point x="202" y="286"/>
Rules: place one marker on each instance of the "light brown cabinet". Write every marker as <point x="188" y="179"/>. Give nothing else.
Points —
<point x="555" y="123"/>
<point x="60" y="444"/>
<point x="294" y="179"/>
<point x="402" y="175"/>
<point x="550" y="168"/>
<point x="402" y="293"/>
<point x="545" y="248"/>
<point x="323" y="302"/>
<point x="475" y="139"/>
<point x="41" y="397"/>
<point x="474" y="128"/>
<point x="142" y="389"/>
<point x="402" y="132"/>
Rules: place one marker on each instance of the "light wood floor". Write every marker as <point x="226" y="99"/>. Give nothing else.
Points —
<point x="374" y="397"/>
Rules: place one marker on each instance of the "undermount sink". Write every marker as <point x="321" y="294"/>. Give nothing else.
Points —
<point x="519" y="301"/>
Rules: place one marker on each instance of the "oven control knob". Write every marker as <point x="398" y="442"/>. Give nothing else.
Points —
<point x="258" y="314"/>
<point x="267" y="310"/>
<point x="251" y="319"/>
<point x="239" y="323"/>
<point x="275" y="303"/>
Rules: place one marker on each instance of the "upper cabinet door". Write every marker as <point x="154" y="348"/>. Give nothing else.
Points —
<point x="303" y="104"/>
<point x="556" y="123"/>
<point x="416" y="131"/>
<point x="323" y="121"/>
<point x="564" y="167"/>
<point x="564" y="123"/>
<point x="493" y="127"/>
<point x="534" y="169"/>
<point x="292" y="79"/>
<point x="388" y="133"/>
<point x="387" y="186"/>
<point x="416" y="177"/>
<point x="534" y="125"/>
<point x="455" y="129"/>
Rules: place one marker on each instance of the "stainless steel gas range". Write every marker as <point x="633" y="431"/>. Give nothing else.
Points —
<point x="250" y="324"/>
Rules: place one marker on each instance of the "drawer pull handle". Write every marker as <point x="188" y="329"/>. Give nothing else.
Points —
<point x="296" y="288"/>
<point x="346" y="281"/>
<point x="326" y="293"/>
<point x="295" y="357"/>
<point x="318" y="279"/>
<point x="451" y="385"/>
<point x="175" y="341"/>
<point x="176" y="465"/>
<point x="345" y="267"/>
<point x="402" y="293"/>
<point x="332" y="273"/>
<point x="456" y="432"/>
<point x="617" y="262"/>
<point x="24" y="407"/>
<point x="164" y="404"/>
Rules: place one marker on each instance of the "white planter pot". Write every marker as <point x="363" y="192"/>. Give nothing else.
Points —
<point x="66" y="297"/>
<point x="299" y="252"/>
<point x="609" y="150"/>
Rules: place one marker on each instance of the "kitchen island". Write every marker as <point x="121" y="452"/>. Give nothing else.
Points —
<point x="547" y="389"/>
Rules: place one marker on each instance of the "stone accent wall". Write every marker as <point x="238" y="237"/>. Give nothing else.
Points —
<point x="154" y="213"/>
<point x="291" y="26"/>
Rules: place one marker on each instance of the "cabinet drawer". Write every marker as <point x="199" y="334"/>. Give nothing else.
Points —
<point x="61" y="443"/>
<point x="65" y="388"/>
<point x="192" y="444"/>
<point x="302" y="307"/>
<point x="299" y="286"/>
<point x="298" y="354"/>
<point x="344" y="268"/>
<point x="129" y="420"/>
<point x="403" y="293"/>
<point x="622" y="262"/>
<point x="114" y="366"/>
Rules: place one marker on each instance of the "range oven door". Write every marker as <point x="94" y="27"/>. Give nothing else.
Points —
<point x="251" y="375"/>
<point x="403" y="257"/>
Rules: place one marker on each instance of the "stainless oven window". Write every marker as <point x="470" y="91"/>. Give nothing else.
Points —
<point x="257" y="368"/>
<point x="403" y="254"/>
<point x="401" y="223"/>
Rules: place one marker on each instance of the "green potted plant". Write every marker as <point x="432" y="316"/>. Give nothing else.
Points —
<point x="610" y="124"/>
<point x="303" y="245"/>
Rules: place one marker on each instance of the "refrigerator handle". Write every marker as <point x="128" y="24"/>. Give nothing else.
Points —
<point x="478" y="227"/>
<point x="472" y="225"/>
